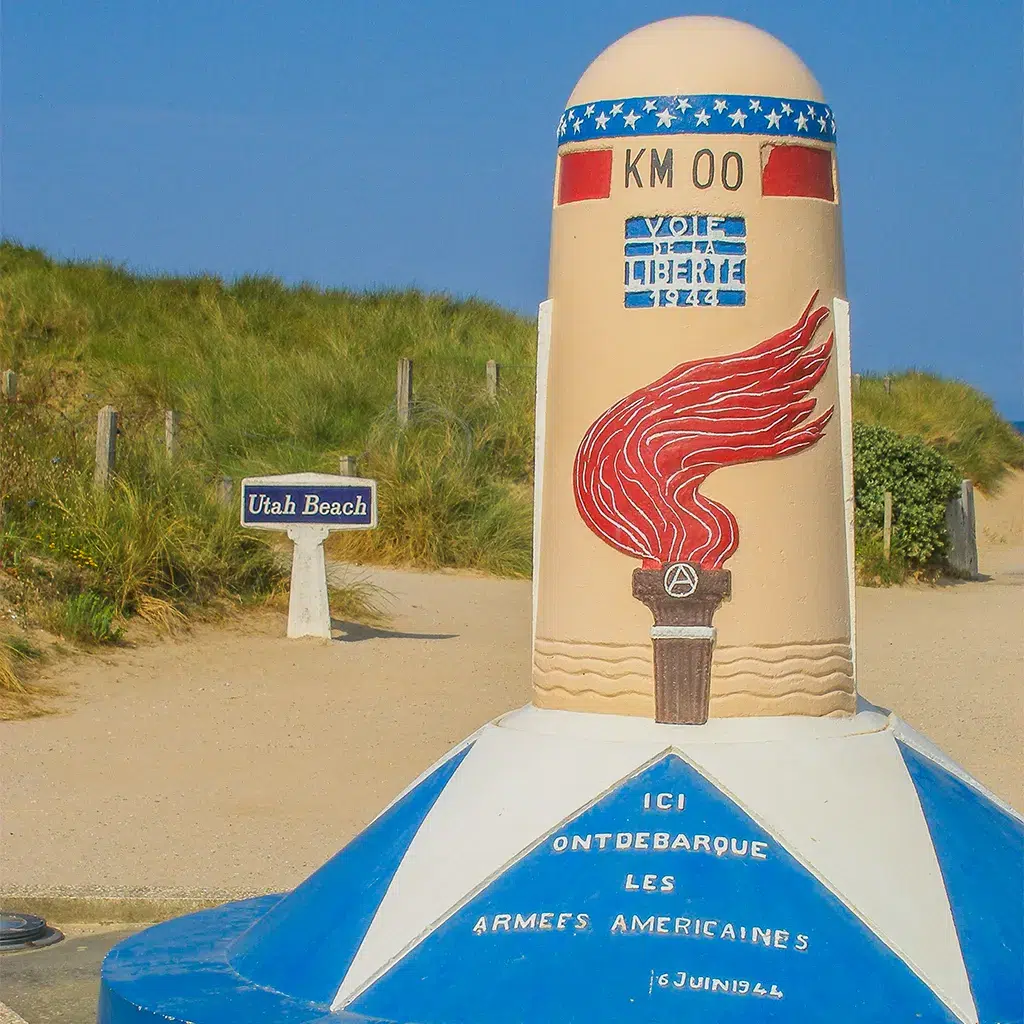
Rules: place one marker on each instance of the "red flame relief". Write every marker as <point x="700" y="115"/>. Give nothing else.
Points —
<point x="639" y="468"/>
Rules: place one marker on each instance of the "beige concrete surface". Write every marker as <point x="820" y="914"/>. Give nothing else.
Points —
<point x="237" y="760"/>
<point x="776" y="652"/>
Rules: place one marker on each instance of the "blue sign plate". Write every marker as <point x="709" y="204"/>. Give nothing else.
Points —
<point x="339" y="506"/>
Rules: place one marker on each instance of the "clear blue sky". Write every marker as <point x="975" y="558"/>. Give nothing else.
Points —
<point x="360" y="143"/>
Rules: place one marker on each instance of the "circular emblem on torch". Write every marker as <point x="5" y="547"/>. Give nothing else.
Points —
<point x="680" y="579"/>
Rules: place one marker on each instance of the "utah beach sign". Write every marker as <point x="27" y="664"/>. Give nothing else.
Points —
<point x="307" y="506"/>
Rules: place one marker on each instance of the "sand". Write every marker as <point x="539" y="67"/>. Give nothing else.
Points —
<point x="236" y="760"/>
<point x="1000" y="516"/>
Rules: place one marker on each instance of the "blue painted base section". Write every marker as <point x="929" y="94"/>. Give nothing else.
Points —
<point x="224" y="965"/>
<point x="980" y="849"/>
<point x="662" y="901"/>
<point x="179" y="971"/>
<point x="306" y="943"/>
<point x="633" y="912"/>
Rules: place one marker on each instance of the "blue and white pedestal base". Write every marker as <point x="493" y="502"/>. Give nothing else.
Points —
<point x="568" y="867"/>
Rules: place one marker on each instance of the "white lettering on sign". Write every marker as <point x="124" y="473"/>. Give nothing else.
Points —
<point x="315" y="507"/>
<point x="680" y="980"/>
<point x="650" y="883"/>
<point x="260" y="504"/>
<point x="709" y="928"/>
<point x="717" y="846"/>
<point x="542" y="921"/>
<point x="686" y="260"/>
<point x="664" y="801"/>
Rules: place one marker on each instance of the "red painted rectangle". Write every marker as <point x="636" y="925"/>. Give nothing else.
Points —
<point x="584" y="175"/>
<point x="798" y="171"/>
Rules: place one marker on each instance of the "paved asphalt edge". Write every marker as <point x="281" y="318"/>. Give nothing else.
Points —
<point x="122" y="906"/>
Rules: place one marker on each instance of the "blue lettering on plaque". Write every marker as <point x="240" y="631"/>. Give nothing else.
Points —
<point x="307" y="504"/>
<point x="664" y="901"/>
<point x="662" y="266"/>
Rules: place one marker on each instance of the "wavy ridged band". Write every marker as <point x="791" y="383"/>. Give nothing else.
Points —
<point x="809" y="679"/>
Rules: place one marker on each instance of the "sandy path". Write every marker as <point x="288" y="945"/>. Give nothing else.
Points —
<point x="950" y="661"/>
<point x="239" y="760"/>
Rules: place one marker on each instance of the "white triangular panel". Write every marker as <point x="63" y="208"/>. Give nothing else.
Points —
<point x="849" y="811"/>
<point x="510" y="791"/>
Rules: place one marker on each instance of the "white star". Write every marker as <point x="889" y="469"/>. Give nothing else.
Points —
<point x="576" y="125"/>
<point x="702" y="117"/>
<point x="616" y="109"/>
<point x="561" y="126"/>
<point x="602" y="120"/>
<point x="720" y="105"/>
<point x="773" y="118"/>
<point x="810" y="110"/>
<point x="684" y="105"/>
<point x="590" y="110"/>
<point x="786" y="108"/>
<point x="631" y="120"/>
<point x="801" y="123"/>
<point x="665" y="118"/>
<point x="755" y="105"/>
<point x="570" y="114"/>
<point x="822" y="123"/>
<point x="738" y="118"/>
<point x="649" y="105"/>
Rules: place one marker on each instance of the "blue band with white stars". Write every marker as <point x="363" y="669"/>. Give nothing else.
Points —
<point x="714" y="114"/>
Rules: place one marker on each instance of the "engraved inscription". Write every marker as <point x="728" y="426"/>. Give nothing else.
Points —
<point x="697" y="259"/>
<point x="683" y="981"/>
<point x="694" y="875"/>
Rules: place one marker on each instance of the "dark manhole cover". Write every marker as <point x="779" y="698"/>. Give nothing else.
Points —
<point x="25" y="931"/>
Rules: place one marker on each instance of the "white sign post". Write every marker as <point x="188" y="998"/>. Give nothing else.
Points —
<point x="308" y="506"/>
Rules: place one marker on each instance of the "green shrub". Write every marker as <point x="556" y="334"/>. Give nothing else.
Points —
<point x="951" y="416"/>
<point x="921" y="481"/>
<point x="87" y="618"/>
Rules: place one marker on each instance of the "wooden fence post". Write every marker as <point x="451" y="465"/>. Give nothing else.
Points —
<point x="225" y="489"/>
<point x="856" y="382"/>
<point x="9" y="385"/>
<point x="961" y="526"/>
<point x="403" y="394"/>
<point x="887" y="383"/>
<point x="887" y="525"/>
<point x="493" y="373"/>
<point x="171" y="433"/>
<point x="106" y="445"/>
<point x="347" y="465"/>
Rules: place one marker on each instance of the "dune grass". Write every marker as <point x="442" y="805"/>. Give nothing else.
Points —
<point x="273" y="379"/>
<point x="266" y="379"/>
<point x="954" y="418"/>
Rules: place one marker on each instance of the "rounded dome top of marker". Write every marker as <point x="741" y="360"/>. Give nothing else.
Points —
<point x="696" y="54"/>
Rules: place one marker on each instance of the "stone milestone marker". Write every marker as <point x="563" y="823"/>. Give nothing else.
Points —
<point x="695" y="820"/>
<point x="308" y="506"/>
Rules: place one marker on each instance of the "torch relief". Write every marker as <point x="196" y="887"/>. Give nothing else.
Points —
<point x="683" y="599"/>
